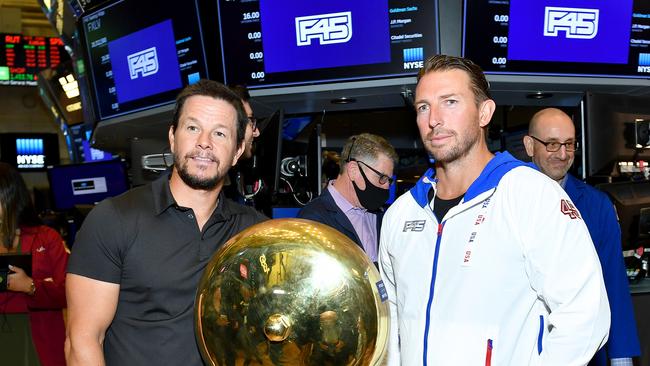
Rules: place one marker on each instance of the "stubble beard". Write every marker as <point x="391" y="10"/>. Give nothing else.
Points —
<point x="194" y="181"/>
<point x="458" y="150"/>
<point x="557" y="173"/>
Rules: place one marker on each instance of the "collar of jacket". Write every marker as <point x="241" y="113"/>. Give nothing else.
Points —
<point x="489" y="178"/>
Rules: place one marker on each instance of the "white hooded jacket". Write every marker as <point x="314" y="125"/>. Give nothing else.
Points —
<point x="508" y="277"/>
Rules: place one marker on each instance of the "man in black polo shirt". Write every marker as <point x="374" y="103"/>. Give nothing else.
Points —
<point x="138" y="258"/>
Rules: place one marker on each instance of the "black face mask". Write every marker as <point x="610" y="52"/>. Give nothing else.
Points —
<point x="373" y="197"/>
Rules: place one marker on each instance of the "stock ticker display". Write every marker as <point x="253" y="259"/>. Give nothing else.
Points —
<point x="23" y="57"/>
<point x="609" y="38"/>
<point x="270" y="43"/>
<point x="141" y="59"/>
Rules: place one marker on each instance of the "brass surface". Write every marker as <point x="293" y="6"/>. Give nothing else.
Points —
<point x="291" y="292"/>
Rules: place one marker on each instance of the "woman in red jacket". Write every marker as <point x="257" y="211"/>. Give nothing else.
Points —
<point x="32" y="330"/>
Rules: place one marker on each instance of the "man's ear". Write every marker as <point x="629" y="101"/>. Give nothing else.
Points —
<point x="171" y="138"/>
<point x="238" y="153"/>
<point x="486" y="111"/>
<point x="352" y="170"/>
<point x="529" y="145"/>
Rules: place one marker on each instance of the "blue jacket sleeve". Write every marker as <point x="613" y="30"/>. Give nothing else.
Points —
<point x="623" y="338"/>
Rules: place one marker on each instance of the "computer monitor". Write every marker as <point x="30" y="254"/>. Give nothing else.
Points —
<point x="140" y="53"/>
<point x="282" y="43"/>
<point x="630" y="199"/>
<point x="60" y="85"/>
<point x="29" y="151"/>
<point x="570" y="38"/>
<point x="86" y="183"/>
<point x="606" y="118"/>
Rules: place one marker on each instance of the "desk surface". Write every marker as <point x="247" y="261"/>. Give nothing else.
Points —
<point x="640" y="287"/>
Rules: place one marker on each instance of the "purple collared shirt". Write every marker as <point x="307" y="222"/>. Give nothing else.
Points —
<point x="363" y="222"/>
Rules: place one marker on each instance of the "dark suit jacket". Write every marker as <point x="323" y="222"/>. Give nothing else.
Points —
<point x="323" y="209"/>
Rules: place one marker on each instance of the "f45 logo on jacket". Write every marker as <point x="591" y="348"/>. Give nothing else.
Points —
<point x="567" y="208"/>
<point x="415" y="225"/>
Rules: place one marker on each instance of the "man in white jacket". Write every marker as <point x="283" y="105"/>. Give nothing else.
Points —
<point x="486" y="261"/>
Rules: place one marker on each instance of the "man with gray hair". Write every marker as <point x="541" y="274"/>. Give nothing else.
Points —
<point x="351" y="203"/>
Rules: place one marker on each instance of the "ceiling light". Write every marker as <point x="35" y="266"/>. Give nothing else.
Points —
<point x="343" y="100"/>
<point x="539" y="95"/>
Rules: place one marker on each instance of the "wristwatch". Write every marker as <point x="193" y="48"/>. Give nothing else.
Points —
<point x="32" y="289"/>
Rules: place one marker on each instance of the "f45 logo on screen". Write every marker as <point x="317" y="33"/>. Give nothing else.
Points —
<point x="143" y="63"/>
<point x="326" y="28"/>
<point x="574" y="22"/>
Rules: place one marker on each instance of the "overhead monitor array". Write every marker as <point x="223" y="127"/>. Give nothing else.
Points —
<point x="141" y="53"/>
<point x="559" y="37"/>
<point x="271" y="43"/>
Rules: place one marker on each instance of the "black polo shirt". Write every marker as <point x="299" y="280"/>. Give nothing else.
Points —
<point x="143" y="241"/>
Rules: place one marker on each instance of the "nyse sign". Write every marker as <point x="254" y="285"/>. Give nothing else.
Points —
<point x="644" y="62"/>
<point x="413" y="65"/>
<point x="143" y="63"/>
<point x="30" y="161"/>
<point x="326" y="28"/>
<point x="574" y="22"/>
<point x="413" y="58"/>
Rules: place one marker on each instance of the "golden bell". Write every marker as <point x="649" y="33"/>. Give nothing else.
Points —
<point x="291" y="292"/>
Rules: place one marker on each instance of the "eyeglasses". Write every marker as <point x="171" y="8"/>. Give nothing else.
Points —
<point x="383" y="178"/>
<point x="553" y="146"/>
<point x="253" y="121"/>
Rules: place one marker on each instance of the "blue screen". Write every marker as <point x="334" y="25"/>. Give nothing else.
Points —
<point x="285" y="212"/>
<point x="145" y="62"/>
<point x="87" y="183"/>
<point x="570" y="30"/>
<point x="141" y="53"/>
<point x="92" y="154"/>
<point x="270" y="43"/>
<point x="302" y="35"/>
<point x="292" y="127"/>
<point x="601" y="38"/>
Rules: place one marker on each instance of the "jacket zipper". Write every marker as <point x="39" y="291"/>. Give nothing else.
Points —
<point x="488" y="353"/>
<point x="431" y="291"/>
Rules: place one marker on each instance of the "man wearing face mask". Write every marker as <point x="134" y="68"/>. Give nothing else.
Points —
<point x="352" y="203"/>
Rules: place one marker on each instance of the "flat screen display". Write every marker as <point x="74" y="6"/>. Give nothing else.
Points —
<point x="609" y="38"/>
<point x="141" y="53"/>
<point x="272" y="43"/>
<point x="86" y="183"/>
<point x="63" y="88"/>
<point x="23" y="57"/>
<point x="29" y="151"/>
